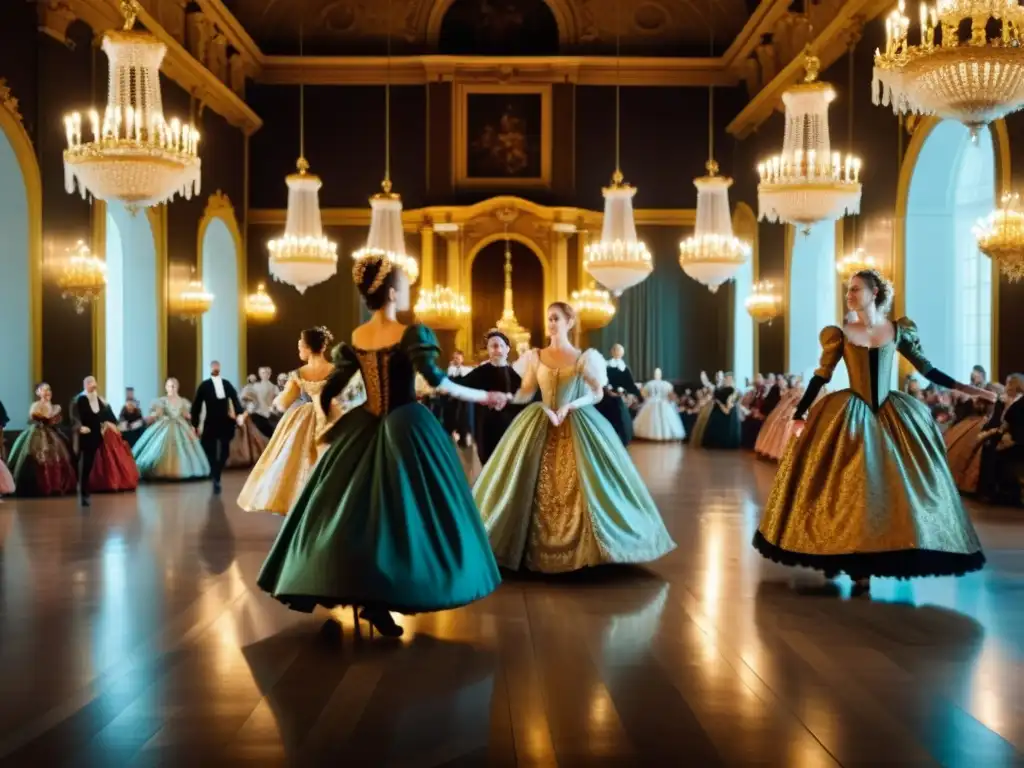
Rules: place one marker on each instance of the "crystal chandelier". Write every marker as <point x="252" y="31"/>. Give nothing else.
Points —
<point x="712" y="255"/>
<point x="855" y="262"/>
<point x="82" y="278"/>
<point x="508" y="324"/>
<point x="618" y="260"/>
<point x="1001" y="237"/>
<point x="974" y="82"/>
<point x="808" y="183"/>
<point x="259" y="307"/>
<point x="136" y="156"/>
<point x="442" y="308"/>
<point x="303" y="257"/>
<point x="594" y="307"/>
<point x="194" y="301"/>
<point x="764" y="302"/>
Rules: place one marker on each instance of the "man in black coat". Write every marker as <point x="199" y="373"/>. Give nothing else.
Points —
<point x="223" y="413"/>
<point x="88" y="414"/>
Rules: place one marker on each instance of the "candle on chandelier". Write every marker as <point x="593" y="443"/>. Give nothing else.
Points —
<point x="835" y="165"/>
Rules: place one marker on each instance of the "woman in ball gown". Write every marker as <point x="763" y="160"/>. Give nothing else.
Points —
<point x="561" y="493"/>
<point x="658" y="418"/>
<point x="170" y="449"/>
<point x="966" y="438"/>
<point x="113" y="467"/>
<point x="40" y="460"/>
<point x="706" y="404"/>
<point x="386" y="520"/>
<point x="723" y="424"/>
<point x="783" y="428"/>
<point x="865" y="488"/>
<point x="280" y="474"/>
<point x="493" y="375"/>
<point x="249" y="442"/>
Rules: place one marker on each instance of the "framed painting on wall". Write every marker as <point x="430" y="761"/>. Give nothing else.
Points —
<point x="502" y="136"/>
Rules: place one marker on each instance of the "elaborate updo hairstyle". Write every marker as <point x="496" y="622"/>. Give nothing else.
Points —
<point x="567" y="311"/>
<point x="873" y="279"/>
<point x="374" y="276"/>
<point x="317" y="339"/>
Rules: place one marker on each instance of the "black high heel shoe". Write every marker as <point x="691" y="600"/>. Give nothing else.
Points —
<point x="380" y="620"/>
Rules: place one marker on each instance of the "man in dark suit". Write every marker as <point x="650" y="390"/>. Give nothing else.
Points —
<point x="223" y="412"/>
<point x="88" y="415"/>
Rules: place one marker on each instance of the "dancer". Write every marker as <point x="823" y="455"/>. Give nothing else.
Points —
<point x="722" y="430"/>
<point x="223" y="413"/>
<point x="386" y="521"/>
<point x="105" y="460"/>
<point x="495" y="375"/>
<point x="1003" y="452"/>
<point x="865" y="488"/>
<point x="613" y="404"/>
<point x="264" y="392"/>
<point x="280" y="474"/>
<point x="560" y="493"/>
<point x="248" y="443"/>
<point x="169" y="449"/>
<point x="965" y="440"/>
<point x="131" y="421"/>
<point x="41" y="462"/>
<point x="658" y="418"/>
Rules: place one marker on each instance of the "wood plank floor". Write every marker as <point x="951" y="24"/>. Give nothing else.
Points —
<point x="131" y="634"/>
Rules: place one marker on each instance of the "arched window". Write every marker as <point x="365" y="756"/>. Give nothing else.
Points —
<point x="948" y="281"/>
<point x="221" y="325"/>
<point x="813" y="297"/>
<point x="132" y="308"/>
<point x="16" y="327"/>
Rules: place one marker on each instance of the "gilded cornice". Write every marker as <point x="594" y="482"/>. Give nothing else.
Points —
<point x="8" y="101"/>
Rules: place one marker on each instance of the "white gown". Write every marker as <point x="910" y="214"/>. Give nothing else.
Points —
<point x="658" y="418"/>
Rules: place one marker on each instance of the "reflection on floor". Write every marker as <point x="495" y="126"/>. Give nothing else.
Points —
<point x="130" y="634"/>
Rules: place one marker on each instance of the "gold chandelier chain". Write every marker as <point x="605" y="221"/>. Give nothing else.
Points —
<point x="387" y="109"/>
<point x="618" y="82"/>
<point x="302" y="90"/>
<point x="849" y="133"/>
<point x="711" y="87"/>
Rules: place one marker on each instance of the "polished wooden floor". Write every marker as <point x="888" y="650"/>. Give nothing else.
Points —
<point x="131" y="634"/>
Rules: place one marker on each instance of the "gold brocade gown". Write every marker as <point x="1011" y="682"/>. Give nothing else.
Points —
<point x="281" y="472"/>
<point x="865" y="489"/>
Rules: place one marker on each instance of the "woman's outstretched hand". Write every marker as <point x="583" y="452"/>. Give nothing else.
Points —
<point x="979" y="393"/>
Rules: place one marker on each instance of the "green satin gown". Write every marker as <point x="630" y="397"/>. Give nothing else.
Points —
<point x="866" y="487"/>
<point x="558" y="499"/>
<point x="386" y="518"/>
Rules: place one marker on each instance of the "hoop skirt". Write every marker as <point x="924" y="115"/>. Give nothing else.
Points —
<point x="722" y="429"/>
<point x="658" y="419"/>
<point x="41" y="462"/>
<point x="963" y="451"/>
<point x="387" y="518"/>
<point x="114" y="468"/>
<point x="169" y="449"/>
<point x="558" y="499"/>
<point x="866" y="489"/>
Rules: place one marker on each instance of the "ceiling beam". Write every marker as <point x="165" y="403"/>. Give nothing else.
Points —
<point x="237" y="37"/>
<point x="418" y="70"/>
<point x="761" y="22"/>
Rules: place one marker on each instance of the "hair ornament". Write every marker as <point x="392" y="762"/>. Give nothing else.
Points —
<point x="363" y="260"/>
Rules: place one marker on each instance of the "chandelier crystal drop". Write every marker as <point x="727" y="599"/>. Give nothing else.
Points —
<point x="442" y="308"/>
<point x="135" y="156"/>
<point x="387" y="238"/>
<point x="259" y="307"/>
<point x="1001" y="237"/>
<point x="712" y="255"/>
<point x="973" y="82"/>
<point x="764" y="302"/>
<point x="82" y="278"/>
<point x="619" y="260"/>
<point x="303" y="257"/>
<point x="808" y="183"/>
<point x="194" y="301"/>
<point x="854" y="262"/>
<point x="594" y="307"/>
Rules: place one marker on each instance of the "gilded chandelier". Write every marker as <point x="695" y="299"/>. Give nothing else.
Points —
<point x="974" y="82"/>
<point x="712" y="255"/>
<point x="1001" y="237"/>
<point x="135" y="155"/>
<point x="594" y="307"/>
<point x="302" y="256"/>
<point x="808" y="183"/>
<point x="854" y="262"/>
<point x="194" y="301"/>
<point x="442" y="308"/>
<point x="82" y="278"/>
<point x="764" y="302"/>
<point x="259" y="307"/>
<point x="619" y="260"/>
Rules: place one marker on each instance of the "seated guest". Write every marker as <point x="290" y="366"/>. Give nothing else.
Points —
<point x="1002" y="458"/>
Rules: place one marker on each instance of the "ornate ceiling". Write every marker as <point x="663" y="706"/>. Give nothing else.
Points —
<point x="359" y="27"/>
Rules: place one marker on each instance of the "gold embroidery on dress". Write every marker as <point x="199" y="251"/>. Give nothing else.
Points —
<point x="375" y="367"/>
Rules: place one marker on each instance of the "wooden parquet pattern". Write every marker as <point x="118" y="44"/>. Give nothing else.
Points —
<point x="131" y="635"/>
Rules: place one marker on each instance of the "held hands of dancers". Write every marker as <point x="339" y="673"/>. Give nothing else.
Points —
<point x="497" y="400"/>
<point x="976" y="393"/>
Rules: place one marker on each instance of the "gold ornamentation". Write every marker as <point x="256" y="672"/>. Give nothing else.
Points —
<point x="367" y="257"/>
<point x="218" y="204"/>
<point x="594" y="307"/>
<point x="83" y="277"/>
<point x="442" y="308"/>
<point x="764" y="302"/>
<point x="7" y="99"/>
<point x="1001" y="237"/>
<point x="375" y="364"/>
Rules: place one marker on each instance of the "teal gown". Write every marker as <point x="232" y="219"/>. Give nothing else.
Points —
<point x="386" y="519"/>
<point x="169" y="448"/>
<point x="558" y="499"/>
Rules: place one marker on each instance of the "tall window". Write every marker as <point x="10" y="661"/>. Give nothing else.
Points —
<point x="220" y="331"/>
<point x="15" y="289"/>
<point x="812" y="296"/>
<point x="948" y="281"/>
<point x="743" y="325"/>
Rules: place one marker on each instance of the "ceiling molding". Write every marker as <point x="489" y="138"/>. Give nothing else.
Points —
<point x="232" y="29"/>
<point x="761" y="22"/>
<point x="829" y="46"/>
<point x="418" y="70"/>
<point x="179" y="65"/>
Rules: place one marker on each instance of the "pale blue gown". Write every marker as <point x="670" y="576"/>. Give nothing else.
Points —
<point x="558" y="499"/>
<point x="169" y="448"/>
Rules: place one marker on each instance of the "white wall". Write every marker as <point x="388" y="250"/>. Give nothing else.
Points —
<point x="743" y="325"/>
<point x="948" y="283"/>
<point x="813" y="298"/>
<point x="15" y="290"/>
<point x="220" y="326"/>
<point x="132" y="309"/>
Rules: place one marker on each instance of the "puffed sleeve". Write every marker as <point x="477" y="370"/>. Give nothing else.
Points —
<point x="908" y="342"/>
<point x="420" y="343"/>
<point x="526" y="367"/>
<point x="594" y="369"/>
<point x="831" y="339"/>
